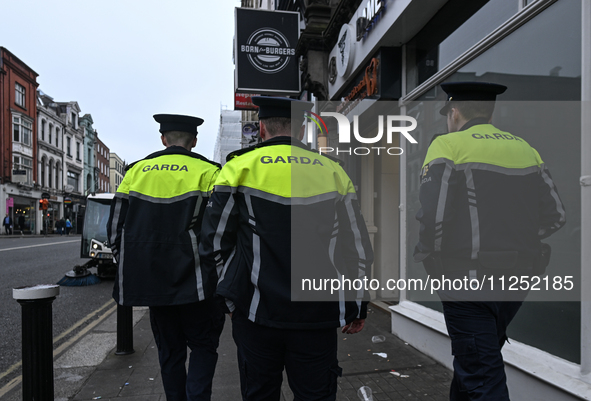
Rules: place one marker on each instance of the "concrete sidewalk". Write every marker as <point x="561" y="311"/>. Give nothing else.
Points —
<point x="90" y="370"/>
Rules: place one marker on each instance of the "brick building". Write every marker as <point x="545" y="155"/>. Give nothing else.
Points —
<point x="102" y="166"/>
<point x="18" y="141"/>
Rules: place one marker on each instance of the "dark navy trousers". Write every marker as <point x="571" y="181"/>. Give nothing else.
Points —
<point x="197" y="326"/>
<point x="478" y="332"/>
<point x="309" y="358"/>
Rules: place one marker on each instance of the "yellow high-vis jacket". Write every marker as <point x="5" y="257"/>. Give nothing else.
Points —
<point x="485" y="190"/>
<point x="154" y="228"/>
<point x="281" y="216"/>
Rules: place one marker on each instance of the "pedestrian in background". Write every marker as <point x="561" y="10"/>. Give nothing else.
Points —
<point x="280" y="213"/>
<point x="60" y="225"/>
<point x="7" y="223"/>
<point x="68" y="226"/>
<point x="153" y="230"/>
<point x="21" y="223"/>
<point x="487" y="201"/>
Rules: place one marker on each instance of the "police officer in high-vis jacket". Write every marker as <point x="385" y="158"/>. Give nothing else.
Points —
<point x="281" y="213"/>
<point x="487" y="201"/>
<point x="153" y="229"/>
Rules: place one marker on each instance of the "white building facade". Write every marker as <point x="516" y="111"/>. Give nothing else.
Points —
<point x="50" y="157"/>
<point x="117" y="171"/>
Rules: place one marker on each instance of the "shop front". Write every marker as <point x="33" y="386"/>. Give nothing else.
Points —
<point x="23" y="214"/>
<point x="538" y="50"/>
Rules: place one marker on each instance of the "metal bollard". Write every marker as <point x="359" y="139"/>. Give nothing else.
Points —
<point x="124" y="330"/>
<point x="37" y="343"/>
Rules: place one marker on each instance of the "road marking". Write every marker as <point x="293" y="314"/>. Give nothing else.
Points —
<point x="34" y="246"/>
<point x="17" y="380"/>
<point x="80" y="322"/>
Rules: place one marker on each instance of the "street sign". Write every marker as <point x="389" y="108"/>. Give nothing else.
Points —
<point x="45" y="195"/>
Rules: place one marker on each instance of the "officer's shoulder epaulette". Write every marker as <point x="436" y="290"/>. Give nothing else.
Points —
<point x="205" y="159"/>
<point x="437" y="136"/>
<point x="240" y="152"/>
<point x="129" y="166"/>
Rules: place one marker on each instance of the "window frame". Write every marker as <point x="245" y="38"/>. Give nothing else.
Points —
<point x="20" y="95"/>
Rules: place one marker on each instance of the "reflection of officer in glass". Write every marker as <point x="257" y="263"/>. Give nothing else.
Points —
<point x="153" y="229"/>
<point x="487" y="200"/>
<point x="278" y="210"/>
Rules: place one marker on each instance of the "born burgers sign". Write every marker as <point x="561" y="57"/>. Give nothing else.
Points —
<point x="264" y="50"/>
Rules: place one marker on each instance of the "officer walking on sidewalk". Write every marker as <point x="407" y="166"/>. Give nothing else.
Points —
<point x="281" y="213"/>
<point x="487" y="200"/>
<point x="153" y="230"/>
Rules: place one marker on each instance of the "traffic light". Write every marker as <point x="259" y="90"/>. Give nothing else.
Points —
<point x="43" y="204"/>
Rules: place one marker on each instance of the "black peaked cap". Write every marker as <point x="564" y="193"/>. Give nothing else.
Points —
<point x="463" y="91"/>
<point x="177" y="122"/>
<point x="281" y="107"/>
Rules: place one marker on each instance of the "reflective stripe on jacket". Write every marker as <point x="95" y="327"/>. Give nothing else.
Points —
<point x="281" y="213"/>
<point x="154" y="227"/>
<point x="483" y="189"/>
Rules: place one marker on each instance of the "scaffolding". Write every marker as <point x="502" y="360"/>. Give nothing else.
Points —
<point x="229" y="134"/>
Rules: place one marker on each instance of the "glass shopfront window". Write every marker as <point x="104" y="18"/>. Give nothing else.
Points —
<point x="540" y="63"/>
<point x="452" y="31"/>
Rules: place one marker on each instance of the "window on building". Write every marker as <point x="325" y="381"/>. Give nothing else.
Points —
<point x="43" y="123"/>
<point x="74" y="120"/>
<point x="49" y="135"/>
<point x="24" y="163"/>
<point x="57" y="135"/>
<point x="77" y="150"/>
<point x="57" y="174"/>
<point x="43" y="172"/>
<point x="50" y="175"/>
<point x="22" y="130"/>
<point x="73" y="180"/>
<point x="19" y="94"/>
<point x="68" y="146"/>
<point x="88" y="182"/>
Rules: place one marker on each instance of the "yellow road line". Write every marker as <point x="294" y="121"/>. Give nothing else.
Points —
<point x="80" y="322"/>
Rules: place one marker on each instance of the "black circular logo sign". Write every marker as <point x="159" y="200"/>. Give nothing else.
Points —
<point x="268" y="50"/>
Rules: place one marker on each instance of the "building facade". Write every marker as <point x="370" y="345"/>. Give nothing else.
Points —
<point x="74" y="197"/>
<point x="90" y="170"/>
<point x="50" y="160"/>
<point x="375" y="58"/>
<point x="19" y="191"/>
<point x="116" y="171"/>
<point x="102" y="166"/>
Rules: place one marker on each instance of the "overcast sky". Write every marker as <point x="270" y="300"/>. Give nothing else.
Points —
<point x="124" y="61"/>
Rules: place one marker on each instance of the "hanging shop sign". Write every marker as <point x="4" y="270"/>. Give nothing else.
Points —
<point x="264" y="51"/>
<point x="346" y="50"/>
